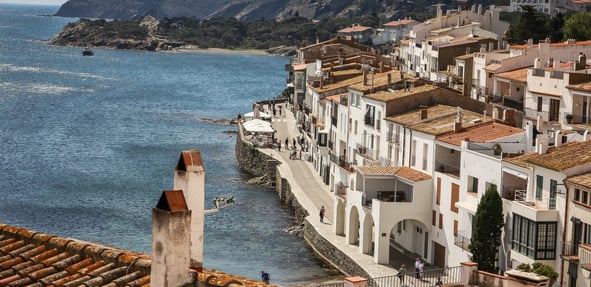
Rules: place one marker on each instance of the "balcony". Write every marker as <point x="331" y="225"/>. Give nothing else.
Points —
<point x="461" y="240"/>
<point x="392" y="137"/>
<point x="342" y="162"/>
<point x="370" y="154"/>
<point x="535" y="209"/>
<point x="585" y="256"/>
<point x="570" y="251"/>
<point x="341" y="189"/>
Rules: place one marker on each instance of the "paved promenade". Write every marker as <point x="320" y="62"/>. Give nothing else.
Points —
<point x="312" y="193"/>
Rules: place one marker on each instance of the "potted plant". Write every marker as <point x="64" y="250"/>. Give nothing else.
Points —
<point x="497" y="149"/>
<point x="569" y="118"/>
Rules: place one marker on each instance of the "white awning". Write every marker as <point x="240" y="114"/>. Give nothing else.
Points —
<point x="251" y="115"/>
<point x="258" y="126"/>
<point x="467" y="206"/>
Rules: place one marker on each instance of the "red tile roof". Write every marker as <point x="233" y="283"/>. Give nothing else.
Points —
<point x="399" y="23"/>
<point x="400" y="171"/>
<point x="519" y="75"/>
<point x="581" y="180"/>
<point x="565" y="156"/>
<point x="482" y="133"/>
<point x="29" y="258"/>
<point x="354" y="29"/>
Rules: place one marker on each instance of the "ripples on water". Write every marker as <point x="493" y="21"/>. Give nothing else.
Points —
<point x="89" y="143"/>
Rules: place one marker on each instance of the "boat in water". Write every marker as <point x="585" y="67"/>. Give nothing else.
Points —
<point x="87" y="52"/>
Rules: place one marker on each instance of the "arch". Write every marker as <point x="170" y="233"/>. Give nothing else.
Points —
<point x="353" y="230"/>
<point x="367" y="236"/>
<point x="340" y="218"/>
<point x="405" y="235"/>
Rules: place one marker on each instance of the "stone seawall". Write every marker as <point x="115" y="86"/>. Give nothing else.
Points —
<point x="261" y="165"/>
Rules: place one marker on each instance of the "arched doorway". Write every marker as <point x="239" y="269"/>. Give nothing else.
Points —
<point x="367" y="238"/>
<point x="340" y="220"/>
<point x="353" y="230"/>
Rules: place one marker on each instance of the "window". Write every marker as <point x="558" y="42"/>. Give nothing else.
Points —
<point x="370" y="115"/>
<point x="582" y="196"/>
<point x="553" y="189"/>
<point x="455" y="197"/>
<point x="434" y="218"/>
<point x="455" y="227"/>
<point x="438" y="198"/>
<point x="540" y="100"/>
<point x="536" y="240"/>
<point x="539" y="186"/>
<point x="440" y="220"/>
<point x="554" y="110"/>
<point x="425" y="149"/>
<point x="472" y="184"/>
<point x="378" y="121"/>
<point x="413" y="157"/>
<point x="586" y="233"/>
<point x="355" y="128"/>
<point x="577" y="194"/>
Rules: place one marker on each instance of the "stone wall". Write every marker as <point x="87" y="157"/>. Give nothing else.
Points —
<point x="256" y="163"/>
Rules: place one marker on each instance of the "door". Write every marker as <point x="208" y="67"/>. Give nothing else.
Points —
<point x="438" y="255"/>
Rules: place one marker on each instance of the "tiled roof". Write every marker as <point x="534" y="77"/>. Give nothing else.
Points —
<point x="585" y="87"/>
<point x="440" y="119"/>
<point x="577" y="43"/>
<point x="379" y="80"/>
<point x="482" y="133"/>
<point x="399" y="22"/>
<point x="565" y="156"/>
<point x="400" y="171"/>
<point x="519" y="75"/>
<point x="385" y="96"/>
<point x="464" y="57"/>
<point x="335" y="98"/>
<point x="520" y="160"/>
<point x="299" y="67"/>
<point x="354" y="29"/>
<point x="582" y="180"/>
<point x="33" y="259"/>
<point x="492" y="67"/>
<point x="29" y="258"/>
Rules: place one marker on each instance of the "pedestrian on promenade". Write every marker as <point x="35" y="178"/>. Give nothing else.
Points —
<point x="294" y="143"/>
<point x="418" y="268"/>
<point x="322" y="211"/>
<point x="439" y="282"/>
<point x="279" y="107"/>
<point x="401" y="273"/>
<point x="279" y="145"/>
<point x="265" y="277"/>
<point x="286" y="143"/>
<point x="421" y="266"/>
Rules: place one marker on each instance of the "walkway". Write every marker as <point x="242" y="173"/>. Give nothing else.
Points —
<point x="312" y="193"/>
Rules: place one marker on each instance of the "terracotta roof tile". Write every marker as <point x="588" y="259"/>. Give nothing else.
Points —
<point x="519" y="75"/>
<point x="404" y="172"/>
<point x="565" y="156"/>
<point x="481" y="133"/>
<point x="400" y="22"/>
<point x="386" y="96"/>
<point x="354" y="29"/>
<point x="581" y="180"/>
<point x="29" y="258"/>
<point x="440" y="119"/>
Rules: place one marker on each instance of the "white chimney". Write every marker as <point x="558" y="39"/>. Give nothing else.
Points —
<point x="557" y="139"/>
<point x="189" y="176"/>
<point x="540" y="123"/>
<point x="537" y="63"/>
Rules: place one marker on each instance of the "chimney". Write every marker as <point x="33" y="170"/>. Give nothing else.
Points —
<point x="581" y="62"/>
<point x="424" y="113"/>
<point x="586" y="135"/>
<point x="479" y="8"/>
<point x="389" y="80"/>
<point x="540" y="123"/>
<point x="439" y="12"/>
<point x="557" y="138"/>
<point x="459" y="120"/>
<point x="171" y="241"/>
<point x="550" y="62"/>
<point x="189" y="176"/>
<point x="542" y="143"/>
<point x="495" y="114"/>
<point x="365" y="77"/>
<point x="537" y="63"/>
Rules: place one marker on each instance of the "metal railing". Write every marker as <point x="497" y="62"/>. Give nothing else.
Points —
<point x="426" y="278"/>
<point x="585" y="254"/>
<point x="570" y="249"/>
<point x="461" y="240"/>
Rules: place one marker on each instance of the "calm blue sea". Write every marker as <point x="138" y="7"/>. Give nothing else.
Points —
<point x="89" y="143"/>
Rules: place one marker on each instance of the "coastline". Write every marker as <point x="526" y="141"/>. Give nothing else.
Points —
<point x="196" y="49"/>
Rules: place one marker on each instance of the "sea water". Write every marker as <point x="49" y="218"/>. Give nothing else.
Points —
<point x="88" y="144"/>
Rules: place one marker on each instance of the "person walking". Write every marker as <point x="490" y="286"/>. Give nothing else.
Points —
<point x="286" y="143"/>
<point x="417" y="268"/>
<point x="322" y="211"/>
<point x="401" y="273"/>
<point x="279" y="145"/>
<point x="265" y="277"/>
<point x="439" y="282"/>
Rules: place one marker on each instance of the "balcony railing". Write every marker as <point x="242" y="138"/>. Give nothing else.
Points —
<point x="341" y="188"/>
<point x="544" y="203"/>
<point x="392" y="137"/>
<point x="461" y="240"/>
<point x="342" y="162"/>
<point x="570" y="251"/>
<point x="585" y="256"/>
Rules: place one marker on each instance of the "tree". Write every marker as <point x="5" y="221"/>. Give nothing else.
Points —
<point x="487" y="230"/>
<point x="578" y="26"/>
<point x="530" y="24"/>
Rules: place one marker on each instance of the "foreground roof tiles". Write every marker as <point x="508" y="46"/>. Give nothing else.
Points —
<point x="483" y="133"/>
<point x="565" y="156"/>
<point x="581" y="180"/>
<point x="400" y="171"/>
<point x="33" y="259"/>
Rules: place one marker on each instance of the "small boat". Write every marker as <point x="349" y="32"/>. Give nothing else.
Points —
<point x="87" y="52"/>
